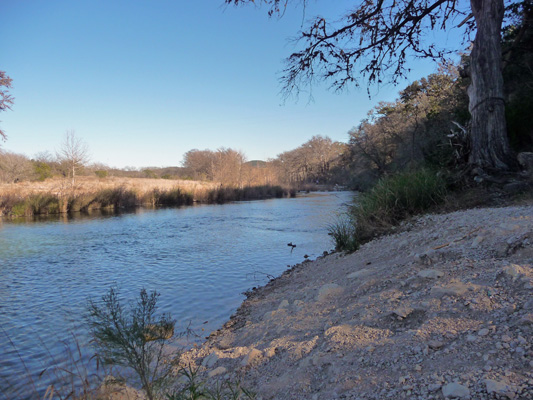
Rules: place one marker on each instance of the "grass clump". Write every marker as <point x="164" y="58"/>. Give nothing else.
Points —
<point x="342" y="231"/>
<point x="173" y="197"/>
<point x="391" y="200"/>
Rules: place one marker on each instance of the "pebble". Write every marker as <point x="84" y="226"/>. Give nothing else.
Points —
<point x="483" y="332"/>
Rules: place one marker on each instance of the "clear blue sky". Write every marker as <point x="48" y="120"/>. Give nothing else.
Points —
<point x="143" y="82"/>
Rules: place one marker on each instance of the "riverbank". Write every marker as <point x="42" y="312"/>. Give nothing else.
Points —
<point x="441" y="309"/>
<point x="56" y="196"/>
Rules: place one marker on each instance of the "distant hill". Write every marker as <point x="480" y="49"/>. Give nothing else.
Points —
<point x="257" y="163"/>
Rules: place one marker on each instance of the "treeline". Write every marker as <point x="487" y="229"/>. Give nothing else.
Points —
<point x="318" y="161"/>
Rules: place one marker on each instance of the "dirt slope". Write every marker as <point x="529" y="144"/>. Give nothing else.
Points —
<point x="443" y="309"/>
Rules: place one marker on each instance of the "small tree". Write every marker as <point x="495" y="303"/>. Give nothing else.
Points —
<point x="74" y="154"/>
<point x="134" y="337"/>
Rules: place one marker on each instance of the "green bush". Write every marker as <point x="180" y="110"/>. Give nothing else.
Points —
<point x="18" y="209"/>
<point x="42" y="170"/>
<point x="391" y="200"/>
<point x="101" y="174"/>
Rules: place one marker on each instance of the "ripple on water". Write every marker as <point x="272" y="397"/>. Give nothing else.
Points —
<point x="200" y="259"/>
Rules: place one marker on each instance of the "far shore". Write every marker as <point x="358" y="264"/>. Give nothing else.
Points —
<point x="62" y="195"/>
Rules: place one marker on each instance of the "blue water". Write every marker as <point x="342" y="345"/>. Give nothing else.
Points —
<point x="200" y="259"/>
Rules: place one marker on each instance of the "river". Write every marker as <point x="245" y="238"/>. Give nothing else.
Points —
<point x="200" y="259"/>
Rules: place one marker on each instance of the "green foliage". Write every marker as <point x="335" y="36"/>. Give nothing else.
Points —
<point x="394" y="198"/>
<point x="119" y="197"/>
<point x="43" y="204"/>
<point x="34" y="204"/>
<point x="18" y="209"/>
<point x="343" y="232"/>
<point x="391" y="200"/>
<point x="42" y="170"/>
<point x="148" y="173"/>
<point x="133" y="337"/>
<point x="101" y="174"/>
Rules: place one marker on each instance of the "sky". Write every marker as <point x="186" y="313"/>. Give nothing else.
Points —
<point x="144" y="81"/>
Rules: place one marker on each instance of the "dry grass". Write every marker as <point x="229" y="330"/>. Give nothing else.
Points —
<point x="89" y="184"/>
<point x="58" y="195"/>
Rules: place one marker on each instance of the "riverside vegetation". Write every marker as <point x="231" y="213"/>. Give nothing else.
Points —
<point x="56" y="196"/>
<point x="137" y="338"/>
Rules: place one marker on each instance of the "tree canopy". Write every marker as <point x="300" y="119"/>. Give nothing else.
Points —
<point x="374" y="39"/>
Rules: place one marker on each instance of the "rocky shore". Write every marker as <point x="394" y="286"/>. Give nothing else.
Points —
<point x="441" y="309"/>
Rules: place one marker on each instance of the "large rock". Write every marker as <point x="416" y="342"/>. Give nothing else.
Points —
<point x="252" y="356"/>
<point x="455" y="390"/>
<point x="502" y="389"/>
<point x="217" y="371"/>
<point x="452" y="289"/>
<point x="359" y="274"/>
<point x="430" y="274"/>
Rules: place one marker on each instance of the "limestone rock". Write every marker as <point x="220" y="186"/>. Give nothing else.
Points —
<point x="217" y="371"/>
<point x="455" y="391"/>
<point x="453" y="289"/>
<point x="328" y="290"/>
<point x="514" y="271"/>
<point x="210" y="360"/>
<point x="251" y="357"/>
<point x="430" y="274"/>
<point x="500" y="388"/>
<point x="402" y="311"/>
<point x="359" y="274"/>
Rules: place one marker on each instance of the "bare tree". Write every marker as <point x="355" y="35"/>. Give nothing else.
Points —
<point x="6" y="100"/>
<point x="14" y="167"/>
<point x="73" y="154"/>
<point x="375" y="39"/>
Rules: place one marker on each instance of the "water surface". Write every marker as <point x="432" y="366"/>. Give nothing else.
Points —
<point x="200" y="259"/>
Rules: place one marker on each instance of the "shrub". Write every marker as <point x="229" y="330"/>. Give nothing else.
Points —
<point x="42" y="170"/>
<point x="101" y="174"/>
<point x="133" y="337"/>
<point x="395" y="198"/>
<point x="391" y="200"/>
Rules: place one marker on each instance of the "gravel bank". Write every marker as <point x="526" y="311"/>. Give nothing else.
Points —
<point x="443" y="309"/>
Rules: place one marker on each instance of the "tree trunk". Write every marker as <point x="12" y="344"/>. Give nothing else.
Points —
<point x="490" y="145"/>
